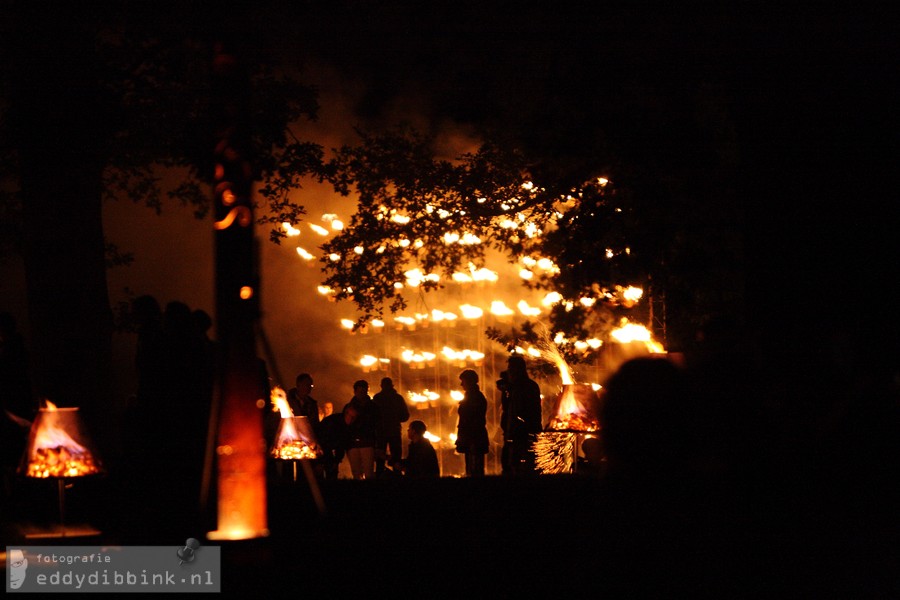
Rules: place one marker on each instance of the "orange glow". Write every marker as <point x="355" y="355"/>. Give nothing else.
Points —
<point x="278" y="397"/>
<point x="246" y="292"/>
<point x="628" y="332"/>
<point x="499" y="309"/>
<point x="576" y="409"/>
<point x="57" y="447"/>
<point x="295" y="440"/>
<point x="241" y="464"/>
<point x="239" y="213"/>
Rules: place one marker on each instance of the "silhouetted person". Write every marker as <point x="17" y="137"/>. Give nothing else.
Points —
<point x="647" y="420"/>
<point x="421" y="459"/>
<point x="301" y="402"/>
<point x="471" y="431"/>
<point x="364" y="432"/>
<point x="592" y="462"/>
<point x="520" y="419"/>
<point x="143" y="413"/>
<point x="394" y="412"/>
<point x="334" y="438"/>
<point x="185" y="412"/>
<point x="326" y="410"/>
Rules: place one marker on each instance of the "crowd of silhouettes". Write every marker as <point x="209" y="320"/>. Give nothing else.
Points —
<point x="366" y="432"/>
<point x="167" y="420"/>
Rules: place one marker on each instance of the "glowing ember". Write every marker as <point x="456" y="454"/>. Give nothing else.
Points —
<point x="554" y="452"/>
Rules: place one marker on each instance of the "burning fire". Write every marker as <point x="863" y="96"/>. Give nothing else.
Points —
<point x="576" y="405"/>
<point x="52" y="451"/>
<point x="576" y="410"/>
<point x="294" y="440"/>
<point x="628" y="332"/>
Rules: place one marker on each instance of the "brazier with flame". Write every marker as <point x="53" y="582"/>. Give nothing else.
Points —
<point x="59" y="448"/>
<point x="295" y="440"/>
<point x="575" y="414"/>
<point x="575" y="409"/>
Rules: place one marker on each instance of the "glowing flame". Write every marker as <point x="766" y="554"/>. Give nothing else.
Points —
<point x="295" y="440"/>
<point x="471" y="312"/>
<point x="417" y="359"/>
<point x="278" y="398"/>
<point x="415" y="277"/>
<point x="628" y="332"/>
<point x="304" y="254"/>
<point x="424" y="397"/>
<point x="462" y="356"/>
<point x="500" y="309"/>
<point x="290" y="230"/>
<point x="318" y="229"/>
<point x="632" y="294"/>
<point x="576" y="409"/>
<point x="52" y="449"/>
<point x="551" y="299"/>
<point x="528" y="311"/>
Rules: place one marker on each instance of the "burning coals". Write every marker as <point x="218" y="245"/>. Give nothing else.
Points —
<point x="56" y="446"/>
<point x="61" y="462"/>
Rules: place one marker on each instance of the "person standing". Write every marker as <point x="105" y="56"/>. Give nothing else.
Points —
<point x="300" y="401"/>
<point x="334" y="438"/>
<point x="364" y="432"/>
<point x="471" y="432"/>
<point x="520" y="418"/>
<point x="394" y="412"/>
<point x="421" y="458"/>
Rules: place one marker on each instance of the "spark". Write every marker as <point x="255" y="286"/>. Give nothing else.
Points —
<point x="554" y="452"/>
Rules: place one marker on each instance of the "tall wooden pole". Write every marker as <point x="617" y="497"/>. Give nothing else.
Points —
<point x="240" y="444"/>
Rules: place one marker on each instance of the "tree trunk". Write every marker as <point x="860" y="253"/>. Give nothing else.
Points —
<point x="57" y="125"/>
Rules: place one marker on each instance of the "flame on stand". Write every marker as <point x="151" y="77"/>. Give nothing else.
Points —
<point x="52" y="449"/>
<point x="576" y="405"/>
<point x="294" y="439"/>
